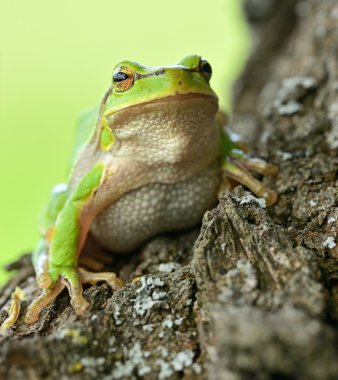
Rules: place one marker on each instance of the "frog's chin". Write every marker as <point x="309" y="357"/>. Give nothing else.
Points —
<point x="178" y="97"/>
<point x="178" y="132"/>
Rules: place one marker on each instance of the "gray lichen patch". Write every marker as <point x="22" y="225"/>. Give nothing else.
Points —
<point x="332" y="135"/>
<point x="168" y="267"/>
<point x="146" y="298"/>
<point x="135" y="362"/>
<point x="249" y="197"/>
<point x="159" y="319"/>
<point x="329" y="242"/>
<point x="292" y="90"/>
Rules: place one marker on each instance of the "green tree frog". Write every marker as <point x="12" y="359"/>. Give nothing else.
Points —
<point x="151" y="158"/>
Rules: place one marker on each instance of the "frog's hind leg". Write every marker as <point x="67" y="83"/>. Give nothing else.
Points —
<point x="237" y="167"/>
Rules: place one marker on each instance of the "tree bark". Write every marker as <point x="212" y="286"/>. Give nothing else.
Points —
<point x="255" y="296"/>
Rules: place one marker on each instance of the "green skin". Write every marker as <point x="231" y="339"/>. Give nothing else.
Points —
<point x="64" y="213"/>
<point x="56" y="255"/>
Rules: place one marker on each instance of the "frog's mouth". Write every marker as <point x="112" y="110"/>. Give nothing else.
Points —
<point x="179" y="98"/>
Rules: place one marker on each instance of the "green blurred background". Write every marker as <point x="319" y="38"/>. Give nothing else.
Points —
<point x="56" y="59"/>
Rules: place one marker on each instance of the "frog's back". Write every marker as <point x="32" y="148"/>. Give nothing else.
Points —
<point x="85" y="129"/>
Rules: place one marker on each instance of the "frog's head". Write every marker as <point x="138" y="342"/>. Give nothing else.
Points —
<point x="135" y="84"/>
<point x="165" y="112"/>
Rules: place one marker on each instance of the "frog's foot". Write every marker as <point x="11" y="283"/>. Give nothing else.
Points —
<point x="71" y="279"/>
<point x="14" y="310"/>
<point x="237" y="167"/>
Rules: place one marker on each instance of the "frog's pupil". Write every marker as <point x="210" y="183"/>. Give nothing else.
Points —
<point x="207" y="68"/>
<point x="120" y="76"/>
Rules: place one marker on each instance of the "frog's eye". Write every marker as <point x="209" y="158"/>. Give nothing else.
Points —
<point x="205" y="68"/>
<point x="123" y="78"/>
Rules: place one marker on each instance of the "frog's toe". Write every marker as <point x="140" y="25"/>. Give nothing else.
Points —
<point x="44" y="280"/>
<point x="258" y="165"/>
<point x="93" y="278"/>
<point x="270" y="196"/>
<point x="13" y="313"/>
<point x="47" y="296"/>
<point x="78" y="302"/>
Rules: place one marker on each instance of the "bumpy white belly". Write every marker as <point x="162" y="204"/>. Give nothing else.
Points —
<point x="155" y="209"/>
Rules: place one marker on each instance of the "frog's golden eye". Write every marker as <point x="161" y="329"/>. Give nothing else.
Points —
<point x="123" y="78"/>
<point x="205" y="68"/>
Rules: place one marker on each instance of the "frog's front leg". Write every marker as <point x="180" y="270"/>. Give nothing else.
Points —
<point x="56" y="259"/>
<point x="238" y="171"/>
<point x="237" y="166"/>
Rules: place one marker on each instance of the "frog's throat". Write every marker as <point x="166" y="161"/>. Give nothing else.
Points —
<point x="170" y="98"/>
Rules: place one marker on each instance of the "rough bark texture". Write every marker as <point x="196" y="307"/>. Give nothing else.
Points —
<point x="256" y="296"/>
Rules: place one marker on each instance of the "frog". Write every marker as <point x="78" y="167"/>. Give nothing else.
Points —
<point x="151" y="158"/>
